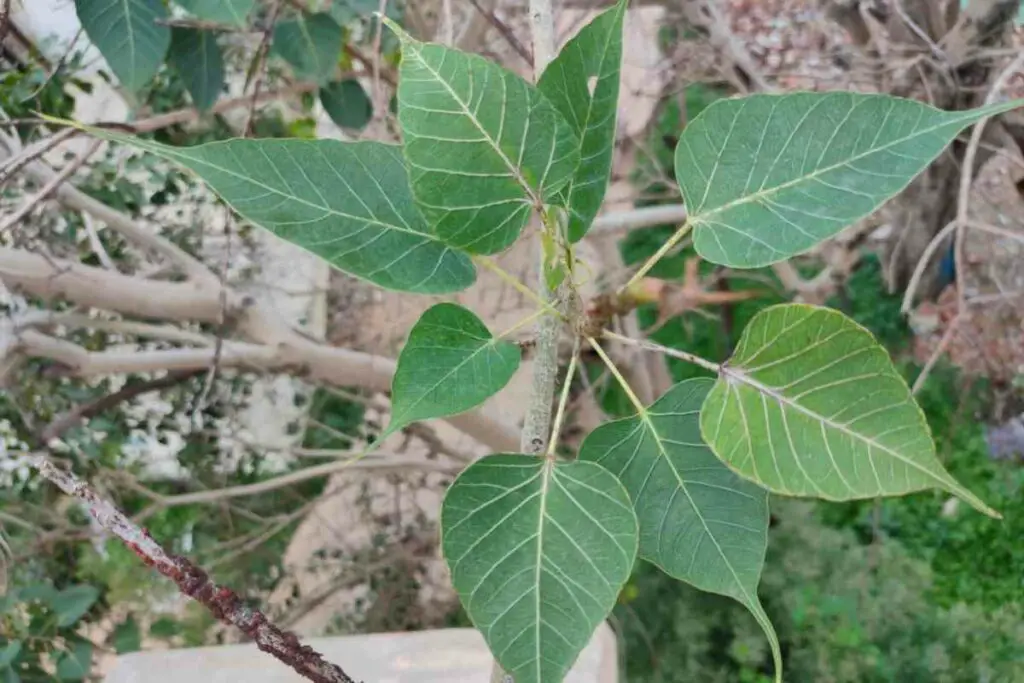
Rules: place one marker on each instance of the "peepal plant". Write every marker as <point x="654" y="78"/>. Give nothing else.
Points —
<point x="539" y="546"/>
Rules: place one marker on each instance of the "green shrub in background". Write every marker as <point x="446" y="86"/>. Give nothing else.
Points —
<point x="846" y="612"/>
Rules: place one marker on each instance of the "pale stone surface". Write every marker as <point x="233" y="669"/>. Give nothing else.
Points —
<point x="442" y="656"/>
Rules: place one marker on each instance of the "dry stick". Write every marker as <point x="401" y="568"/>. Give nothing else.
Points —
<point x="961" y="222"/>
<point x="222" y="602"/>
<point x="49" y="188"/>
<point x="259" y="62"/>
<point x="131" y="390"/>
<point x="41" y="147"/>
<point x="504" y="30"/>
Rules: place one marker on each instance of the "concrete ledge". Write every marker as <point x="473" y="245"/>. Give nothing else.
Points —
<point x="441" y="656"/>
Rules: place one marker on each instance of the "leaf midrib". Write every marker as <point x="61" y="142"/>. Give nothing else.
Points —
<point x="761" y="194"/>
<point x="784" y="400"/>
<point x="170" y="151"/>
<point x="476" y="123"/>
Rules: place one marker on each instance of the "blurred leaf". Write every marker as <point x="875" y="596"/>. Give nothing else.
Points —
<point x="127" y="637"/>
<point x="311" y="44"/>
<point x="75" y="665"/>
<point x="347" y="104"/>
<point x="197" y="58"/>
<point x="71" y="603"/>
<point x="235" y="12"/>
<point x="9" y="652"/>
<point x="128" y="36"/>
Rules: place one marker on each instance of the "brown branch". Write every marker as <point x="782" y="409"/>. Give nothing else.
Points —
<point x="131" y="390"/>
<point x="192" y="581"/>
<point x="504" y="30"/>
<point x="49" y="278"/>
<point x="277" y="347"/>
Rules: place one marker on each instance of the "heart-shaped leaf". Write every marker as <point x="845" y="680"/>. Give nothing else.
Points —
<point x="767" y="177"/>
<point x="450" y="364"/>
<point x="234" y="12"/>
<point x="347" y="202"/>
<point x="538" y="551"/>
<point x="128" y="36"/>
<point x="699" y="522"/>
<point x="811" y="405"/>
<point x="311" y="44"/>
<point x="71" y="603"/>
<point x="485" y="148"/>
<point x="196" y="56"/>
<point x="583" y="84"/>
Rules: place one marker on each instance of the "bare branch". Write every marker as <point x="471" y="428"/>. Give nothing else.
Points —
<point x="222" y="602"/>
<point x="89" y="286"/>
<point x="56" y="181"/>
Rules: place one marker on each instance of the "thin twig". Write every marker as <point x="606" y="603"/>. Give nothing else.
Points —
<point x="131" y="390"/>
<point x="962" y="216"/>
<point x="35" y="151"/>
<point x="48" y="189"/>
<point x="257" y="67"/>
<point x="221" y="601"/>
<point x="504" y="30"/>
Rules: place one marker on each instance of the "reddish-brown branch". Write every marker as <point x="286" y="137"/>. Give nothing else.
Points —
<point x="222" y="602"/>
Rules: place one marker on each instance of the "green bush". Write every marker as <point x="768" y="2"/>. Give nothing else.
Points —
<point x="845" y="612"/>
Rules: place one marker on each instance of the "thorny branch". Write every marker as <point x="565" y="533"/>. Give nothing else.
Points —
<point x="221" y="601"/>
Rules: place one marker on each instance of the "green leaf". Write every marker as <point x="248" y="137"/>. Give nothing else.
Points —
<point x="347" y="202"/>
<point x="699" y="522"/>
<point x="234" y="12"/>
<point x="9" y="653"/>
<point x="449" y="364"/>
<point x="311" y="44"/>
<point x="127" y="637"/>
<point x="128" y="36"/>
<point x="485" y="148"/>
<point x="196" y="57"/>
<point x="538" y="551"/>
<point x="75" y="665"/>
<point x="347" y="104"/>
<point x="811" y="405"/>
<point x="590" y="107"/>
<point x="71" y="603"/>
<point x="9" y="676"/>
<point x="767" y="177"/>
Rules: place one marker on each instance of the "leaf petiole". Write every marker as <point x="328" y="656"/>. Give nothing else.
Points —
<point x="658" y="348"/>
<point x="653" y="260"/>
<point x="563" y="399"/>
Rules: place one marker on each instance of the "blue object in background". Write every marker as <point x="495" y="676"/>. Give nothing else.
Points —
<point x="947" y="267"/>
